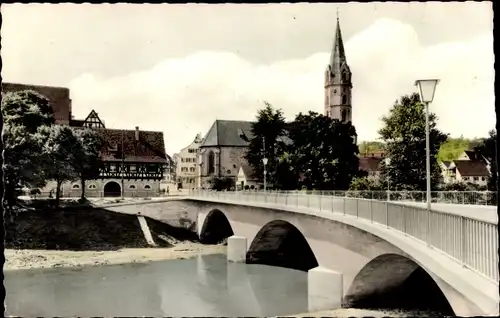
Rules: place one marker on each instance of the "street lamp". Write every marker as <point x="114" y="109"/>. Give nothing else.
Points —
<point x="264" y="161"/>
<point x="387" y="163"/>
<point x="427" y="88"/>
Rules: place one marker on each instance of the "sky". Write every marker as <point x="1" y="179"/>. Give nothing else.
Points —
<point x="177" y="68"/>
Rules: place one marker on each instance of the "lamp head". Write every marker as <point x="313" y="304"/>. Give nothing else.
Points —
<point x="426" y="88"/>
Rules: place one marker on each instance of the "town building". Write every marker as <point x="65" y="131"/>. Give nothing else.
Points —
<point x="222" y="151"/>
<point x="132" y="161"/>
<point x="371" y="164"/>
<point x="186" y="165"/>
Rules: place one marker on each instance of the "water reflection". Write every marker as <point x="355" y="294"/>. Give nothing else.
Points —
<point x="202" y="286"/>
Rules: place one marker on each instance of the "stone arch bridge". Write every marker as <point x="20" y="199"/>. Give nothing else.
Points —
<point x="387" y="254"/>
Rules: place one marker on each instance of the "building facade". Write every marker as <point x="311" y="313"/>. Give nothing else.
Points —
<point x="186" y="165"/>
<point x="223" y="151"/>
<point x="470" y="167"/>
<point x="338" y="84"/>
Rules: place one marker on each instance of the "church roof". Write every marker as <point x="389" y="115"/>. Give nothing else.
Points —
<point x="228" y="133"/>
<point x="337" y="56"/>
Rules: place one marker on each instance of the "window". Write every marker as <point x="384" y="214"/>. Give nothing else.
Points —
<point x="147" y="187"/>
<point x="344" y="99"/>
<point x="344" y="115"/>
<point x="228" y="171"/>
<point x="483" y="178"/>
<point x="133" y="168"/>
<point x="76" y="186"/>
<point x="191" y="169"/>
<point x="112" y="168"/>
<point x="476" y="178"/>
<point x="184" y="169"/>
<point x="182" y="159"/>
<point x="234" y="166"/>
<point x="211" y="162"/>
<point x="132" y="186"/>
<point x="92" y="186"/>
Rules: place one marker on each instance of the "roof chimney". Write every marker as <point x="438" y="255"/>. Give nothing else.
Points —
<point x="136" y="133"/>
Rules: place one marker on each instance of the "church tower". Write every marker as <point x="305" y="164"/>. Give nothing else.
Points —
<point x="338" y="86"/>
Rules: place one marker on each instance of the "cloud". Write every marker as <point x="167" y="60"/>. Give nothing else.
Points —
<point x="184" y="96"/>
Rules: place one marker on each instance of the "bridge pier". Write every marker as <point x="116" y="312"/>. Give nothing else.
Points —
<point x="237" y="249"/>
<point x="324" y="289"/>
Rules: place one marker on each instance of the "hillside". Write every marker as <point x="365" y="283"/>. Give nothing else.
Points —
<point x="450" y="150"/>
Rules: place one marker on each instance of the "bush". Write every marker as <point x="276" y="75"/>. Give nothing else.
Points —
<point x="247" y="187"/>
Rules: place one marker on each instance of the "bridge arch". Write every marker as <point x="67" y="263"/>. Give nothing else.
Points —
<point x="392" y="281"/>
<point x="279" y="243"/>
<point x="215" y="228"/>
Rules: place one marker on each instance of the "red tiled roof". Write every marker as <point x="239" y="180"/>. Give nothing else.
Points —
<point x="369" y="164"/>
<point x="471" y="168"/>
<point x="58" y="96"/>
<point x="149" y="149"/>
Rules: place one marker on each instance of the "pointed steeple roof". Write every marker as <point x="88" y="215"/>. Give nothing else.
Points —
<point x="337" y="57"/>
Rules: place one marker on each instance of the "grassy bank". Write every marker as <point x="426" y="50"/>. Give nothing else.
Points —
<point x="84" y="228"/>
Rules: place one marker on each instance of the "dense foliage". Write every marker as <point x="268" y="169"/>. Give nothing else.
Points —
<point x="297" y="158"/>
<point x="36" y="150"/>
<point x="405" y="143"/>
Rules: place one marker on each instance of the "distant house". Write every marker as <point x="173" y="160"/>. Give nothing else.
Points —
<point x="223" y="150"/>
<point x="371" y="164"/>
<point x="186" y="163"/>
<point x="447" y="175"/>
<point x="473" y="171"/>
<point x="246" y="177"/>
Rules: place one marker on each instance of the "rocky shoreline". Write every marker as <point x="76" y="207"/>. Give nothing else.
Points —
<point x="31" y="258"/>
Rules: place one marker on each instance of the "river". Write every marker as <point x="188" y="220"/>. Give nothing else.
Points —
<point x="205" y="285"/>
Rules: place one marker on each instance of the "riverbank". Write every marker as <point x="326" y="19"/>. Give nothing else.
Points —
<point x="29" y="259"/>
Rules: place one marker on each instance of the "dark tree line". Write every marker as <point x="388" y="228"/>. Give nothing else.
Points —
<point x="37" y="151"/>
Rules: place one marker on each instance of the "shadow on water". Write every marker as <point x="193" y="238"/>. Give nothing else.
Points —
<point x="418" y="293"/>
<point x="81" y="228"/>
<point x="203" y="286"/>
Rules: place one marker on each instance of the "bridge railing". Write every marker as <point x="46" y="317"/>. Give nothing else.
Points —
<point x="472" y="242"/>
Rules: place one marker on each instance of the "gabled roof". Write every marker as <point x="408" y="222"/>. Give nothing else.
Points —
<point x="93" y="121"/>
<point x="370" y="164"/>
<point x="248" y="171"/>
<point x="446" y="163"/>
<point x="228" y="133"/>
<point x="150" y="148"/>
<point x="471" y="168"/>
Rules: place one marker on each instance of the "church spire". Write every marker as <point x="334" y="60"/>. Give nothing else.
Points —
<point x="337" y="57"/>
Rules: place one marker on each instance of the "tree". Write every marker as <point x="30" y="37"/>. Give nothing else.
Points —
<point x="364" y="184"/>
<point x="221" y="183"/>
<point x="324" y="152"/>
<point x="62" y="149"/>
<point x="25" y="113"/>
<point x="267" y="134"/>
<point x="88" y="157"/>
<point x="404" y="136"/>
<point x="487" y="147"/>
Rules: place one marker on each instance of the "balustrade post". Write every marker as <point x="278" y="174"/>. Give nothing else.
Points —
<point x="404" y="220"/>
<point x="357" y="207"/>
<point x="308" y="200"/>
<point x="344" y="199"/>
<point x="371" y="210"/>
<point x="320" y="199"/>
<point x="333" y="202"/>
<point x="463" y="241"/>
<point x="286" y="199"/>
<point x="387" y="214"/>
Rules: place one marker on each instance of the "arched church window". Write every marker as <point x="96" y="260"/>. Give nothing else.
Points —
<point x="211" y="162"/>
<point x="344" y="115"/>
<point x="344" y="99"/>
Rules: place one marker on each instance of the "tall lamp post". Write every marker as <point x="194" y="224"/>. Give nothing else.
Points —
<point x="387" y="163"/>
<point x="264" y="161"/>
<point x="427" y="88"/>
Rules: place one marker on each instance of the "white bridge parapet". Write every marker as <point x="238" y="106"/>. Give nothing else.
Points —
<point x="469" y="235"/>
